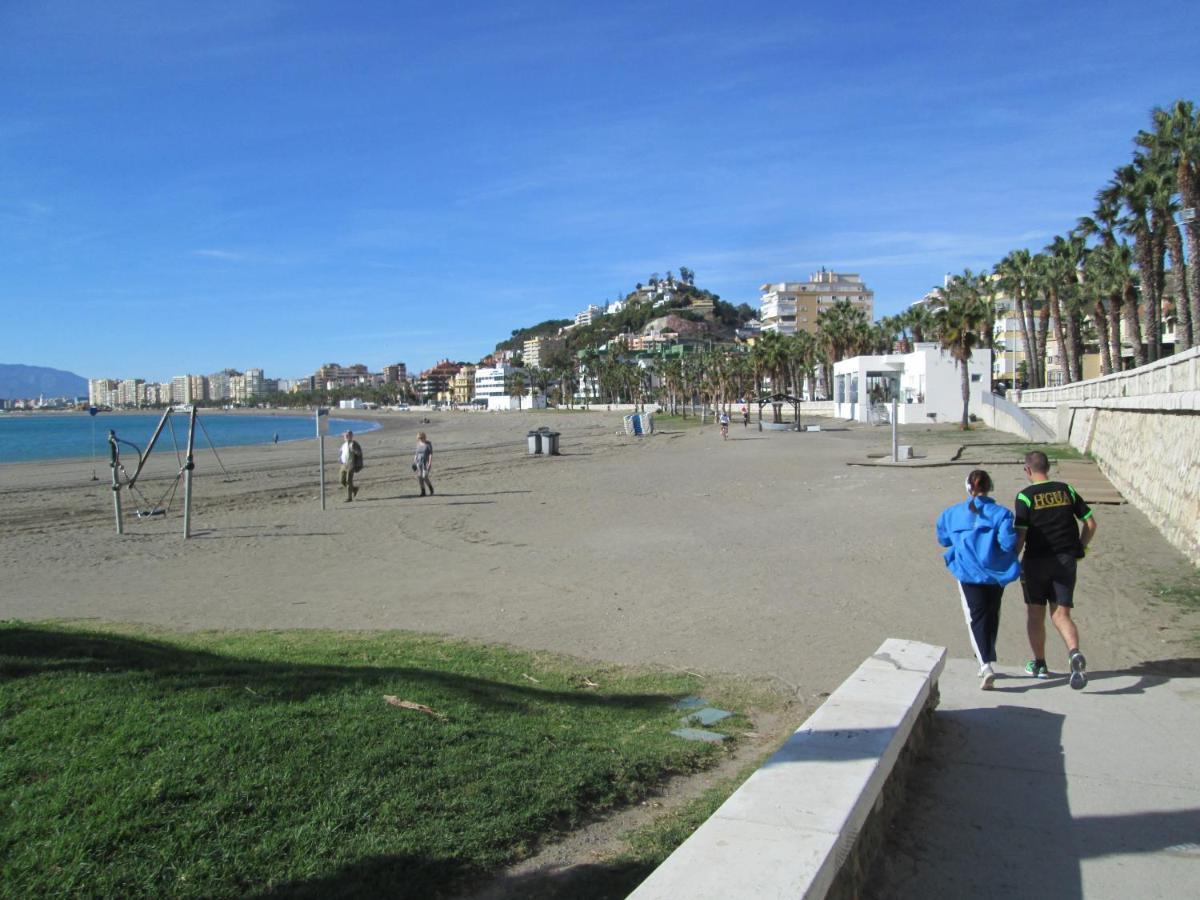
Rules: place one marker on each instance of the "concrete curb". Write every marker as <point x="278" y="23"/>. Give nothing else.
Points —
<point x="799" y="826"/>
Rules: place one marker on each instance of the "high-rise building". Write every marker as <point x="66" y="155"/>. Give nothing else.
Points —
<point x="394" y="374"/>
<point x="103" y="392"/>
<point x="535" y="351"/>
<point x="129" y="392"/>
<point x="788" y="307"/>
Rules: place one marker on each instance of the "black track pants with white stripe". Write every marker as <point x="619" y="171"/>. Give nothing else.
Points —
<point x="981" y="607"/>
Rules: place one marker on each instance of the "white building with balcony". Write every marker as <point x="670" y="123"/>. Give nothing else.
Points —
<point x="788" y="307"/>
<point x="492" y="388"/>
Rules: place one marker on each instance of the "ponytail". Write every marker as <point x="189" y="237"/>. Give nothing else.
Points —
<point x="978" y="482"/>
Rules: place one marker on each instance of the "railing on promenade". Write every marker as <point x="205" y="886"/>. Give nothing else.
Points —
<point x="1176" y="374"/>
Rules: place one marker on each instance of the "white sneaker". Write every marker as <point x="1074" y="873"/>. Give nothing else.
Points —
<point x="987" y="677"/>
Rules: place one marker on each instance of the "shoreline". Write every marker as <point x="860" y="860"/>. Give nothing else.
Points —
<point x="373" y="425"/>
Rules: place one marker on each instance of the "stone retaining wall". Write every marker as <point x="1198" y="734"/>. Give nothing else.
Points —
<point x="1143" y="429"/>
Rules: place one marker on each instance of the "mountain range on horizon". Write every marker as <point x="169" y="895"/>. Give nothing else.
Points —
<point x="20" y="382"/>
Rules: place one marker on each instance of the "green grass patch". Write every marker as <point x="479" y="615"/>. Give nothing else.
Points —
<point x="1185" y="593"/>
<point x="139" y="764"/>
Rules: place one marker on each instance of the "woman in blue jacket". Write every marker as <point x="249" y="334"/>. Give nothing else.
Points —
<point x="982" y="555"/>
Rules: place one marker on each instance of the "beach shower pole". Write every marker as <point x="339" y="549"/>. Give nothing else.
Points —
<point x="116" y="480"/>
<point x="895" y="446"/>
<point x="188" y="465"/>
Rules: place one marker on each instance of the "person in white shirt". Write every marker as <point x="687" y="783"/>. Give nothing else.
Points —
<point x="350" y="457"/>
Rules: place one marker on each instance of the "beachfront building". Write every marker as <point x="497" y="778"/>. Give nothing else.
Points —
<point x="395" y="373"/>
<point x="332" y="376"/>
<point x="462" y="386"/>
<point x="433" y="385"/>
<point x="129" y="392"/>
<point x="788" y="307"/>
<point x="926" y="384"/>
<point x="102" y="392"/>
<point x="189" y="389"/>
<point x="493" y="385"/>
<point x="535" y="351"/>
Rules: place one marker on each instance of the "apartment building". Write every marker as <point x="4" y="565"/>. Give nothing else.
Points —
<point x="129" y="392"/>
<point x="395" y="373"/>
<point x="332" y="376"/>
<point x="492" y="385"/>
<point x="103" y="392"/>
<point x="589" y="315"/>
<point x="462" y="386"/>
<point x="535" y="351"/>
<point x="434" y="383"/>
<point x="788" y="307"/>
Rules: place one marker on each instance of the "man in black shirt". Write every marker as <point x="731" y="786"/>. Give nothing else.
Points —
<point x="1046" y="518"/>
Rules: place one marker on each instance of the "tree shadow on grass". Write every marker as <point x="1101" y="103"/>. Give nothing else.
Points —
<point x="30" y="651"/>
<point x="404" y="877"/>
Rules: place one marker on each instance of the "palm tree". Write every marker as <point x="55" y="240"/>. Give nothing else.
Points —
<point x="958" y="324"/>
<point x="842" y="330"/>
<point x="1133" y="191"/>
<point x="920" y="320"/>
<point x="1017" y="273"/>
<point x="672" y="375"/>
<point x="1107" y="294"/>
<point x="514" y="383"/>
<point x="1176" y="139"/>
<point x="772" y="360"/>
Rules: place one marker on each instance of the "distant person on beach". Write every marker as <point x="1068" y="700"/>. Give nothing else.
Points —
<point x="982" y="555"/>
<point x="423" y="462"/>
<point x="275" y="439"/>
<point x="1054" y="527"/>
<point x="351" y="459"/>
<point x="725" y="426"/>
<point x="745" y="417"/>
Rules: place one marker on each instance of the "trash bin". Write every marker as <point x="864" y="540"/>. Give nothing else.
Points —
<point x="550" y="443"/>
<point x="535" y="442"/>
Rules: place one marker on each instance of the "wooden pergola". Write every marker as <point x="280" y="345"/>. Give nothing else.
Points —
<point x="776" y="401"/>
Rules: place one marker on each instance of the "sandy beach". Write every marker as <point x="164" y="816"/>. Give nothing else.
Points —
<point x="766" y="555"/>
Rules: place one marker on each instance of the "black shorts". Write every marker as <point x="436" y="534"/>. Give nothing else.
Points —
<point x="1049" y="579"/>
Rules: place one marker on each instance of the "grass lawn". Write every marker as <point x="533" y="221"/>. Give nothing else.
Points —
<point x="137" y="764"/>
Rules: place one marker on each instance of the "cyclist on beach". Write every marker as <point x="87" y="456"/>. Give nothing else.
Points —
<point x="724" y="426"/>
<point x="1047" y="513"/>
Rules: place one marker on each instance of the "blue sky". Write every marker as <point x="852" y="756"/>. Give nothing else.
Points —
<point x="189" y="186"/>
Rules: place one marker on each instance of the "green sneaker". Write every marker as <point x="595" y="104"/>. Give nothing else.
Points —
<point x="1036" y="669"/>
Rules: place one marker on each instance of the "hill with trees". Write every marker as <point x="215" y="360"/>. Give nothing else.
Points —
<point x="656" y="299"/>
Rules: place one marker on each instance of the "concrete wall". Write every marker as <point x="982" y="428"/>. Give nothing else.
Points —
<point x="1143" y="429"/>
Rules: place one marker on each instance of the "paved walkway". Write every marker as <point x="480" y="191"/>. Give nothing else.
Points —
<point x="1035" y="790"/>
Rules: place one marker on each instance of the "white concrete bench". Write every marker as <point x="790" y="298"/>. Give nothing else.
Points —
<point x="789" y="830"/>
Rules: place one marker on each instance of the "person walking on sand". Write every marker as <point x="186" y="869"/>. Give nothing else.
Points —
<point x="423" y="462"/>
<point x="745" y="417"/>
<point x="1054" y="528"/>
<point x="351" y="458"/>
<point x="982" y="556"/>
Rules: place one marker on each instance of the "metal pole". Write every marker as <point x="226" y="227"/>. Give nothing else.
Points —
<point x="188" y="465"/>
<point x="320" y="453"/>
<point x="150" y="446"/>
<point x="895" y="444"/>
<point x="116" y="480"/>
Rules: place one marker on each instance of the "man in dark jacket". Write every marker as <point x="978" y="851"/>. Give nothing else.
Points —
<point x="1048" y="516"/>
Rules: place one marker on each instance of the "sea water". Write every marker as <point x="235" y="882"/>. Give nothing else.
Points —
<point x="24" y="438"/>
